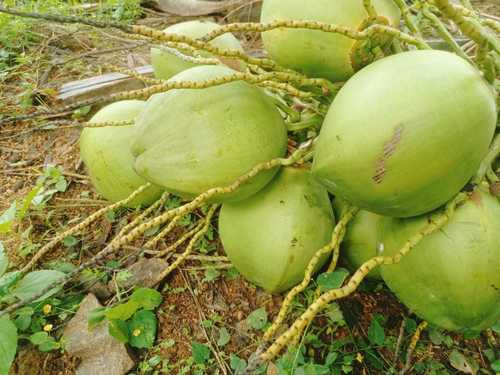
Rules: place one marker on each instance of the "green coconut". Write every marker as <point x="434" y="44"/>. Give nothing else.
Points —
<point x="361" y="238"/>
<point x="317" y="53"/>
<point x="166" y="65"/>
<point x="106" y="154"/>
<point x="406" y="133"/>
<point x="452" y="277"/>
<point x="189" y="141"/>
<point x="271" y="237"/>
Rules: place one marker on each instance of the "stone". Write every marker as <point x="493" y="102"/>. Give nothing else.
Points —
<point x="100" y="352"/>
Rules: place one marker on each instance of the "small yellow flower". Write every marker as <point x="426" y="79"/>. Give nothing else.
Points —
<point x="136" y="332"/>
<point x="360" y="357"/>
<point x="48" y="327"/>
<point x="47" y="309"/>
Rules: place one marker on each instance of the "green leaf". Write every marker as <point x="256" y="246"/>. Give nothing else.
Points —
<point x="224" y="337"/>
<point x="331" y="358"/>
<point x="96" y="316"/>
<point x="210" y="275"/>
<point x="39" y="338"/>
<point x="201" y="352"/>
<point x="70" y="241"/>
<point x="147" y="298"/>
<point x="462" y="363"/>
<point x="496" y="327"/>
<point x="376" y="333"/>
<point x="237" y="364"/>
<point x="142" y="328"/>
<point x="61" y="185"/>
<point x="332" y="280"/>
<point x="7" y="280"/>
<point x="36" y="281"/>
<point x="119" y="330"/>
<point x="8" y="217"/>
<point x="257" y="319"/>
<point x="8" y="344"/>
<point x="23" y="322"/>
<point x="44" y="341"/>
<point x="4" y="260"/>
<point x="436" y="336"/>
<point x="496" y="365"/>
<point x="123" y="311"/>
<point x="28" y="199"/>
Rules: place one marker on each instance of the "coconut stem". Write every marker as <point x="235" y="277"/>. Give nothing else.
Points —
<point x="79" y="227"/>
<point x="435" y="224"/>
<point x="176" y="244"/>
<point x="190" y="59"/>
<point x="443" y="32"/>
<point x="370" y="9"/>
<point x="135" y="74"/>
<point x="105" y="124"/>
<point x="493" y="153"/>
<point x="337" y="236"/>
<point x="413" y="344"/>
<point x="469" y="26"/>
<point x="265" y="79"/>
<point x="151" y="244"/>
<point x="405" y="11"/>
<point x="190" y="247"/>
<point x="319" y="26"/>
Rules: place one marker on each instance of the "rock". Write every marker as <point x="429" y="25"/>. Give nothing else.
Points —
<point x="100" y="353"/>
<point x="143" y="274"/>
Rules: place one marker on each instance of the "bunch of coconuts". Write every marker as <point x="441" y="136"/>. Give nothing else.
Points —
<point x="402" y="137"/>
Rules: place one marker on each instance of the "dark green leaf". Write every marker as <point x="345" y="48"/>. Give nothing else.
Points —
<point x="257" y="319"/>
<point x="142" y="328"/>
<point x="332" y="280"/>
<point x="376" y="333"/>
<point x="201" y="352"/>
<point x="410" y="325"/>
<point x="36" y="281"/>
<point x="8" y="344"/>
<point x="123" y="311"/>
<point x="147" y="298"/>
<point x="119" y="330"/>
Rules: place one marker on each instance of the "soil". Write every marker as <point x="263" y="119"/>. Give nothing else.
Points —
<point x="187" y="300"/>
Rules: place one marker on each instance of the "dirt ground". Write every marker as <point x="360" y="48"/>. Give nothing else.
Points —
<point x="24" y="153"/>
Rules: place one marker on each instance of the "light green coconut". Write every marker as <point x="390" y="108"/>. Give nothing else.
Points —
<point x="165" y="64"/>
<point x="189" y="141"/>
<point x="452" y="278"/>
<point x="406" y="133"/>
<point x="317" y="53"/>
<point x="106" y="154"/>
<point x="271" y="237"/>
<point x="361" y="238"/>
